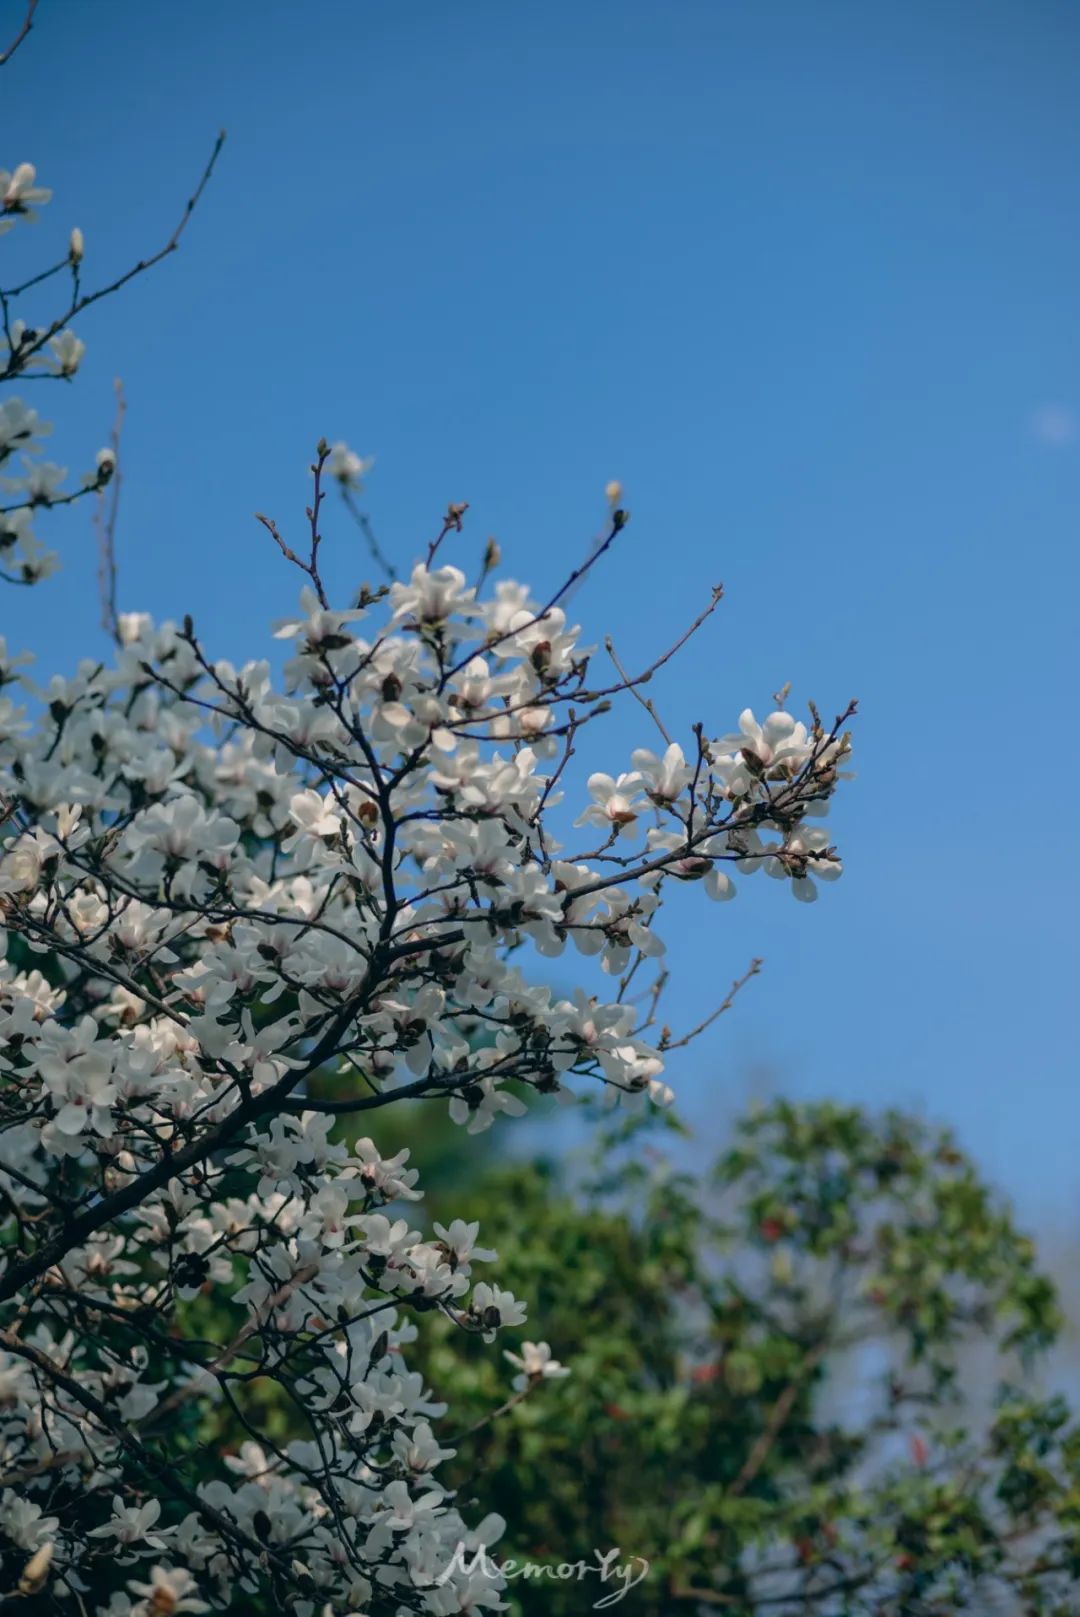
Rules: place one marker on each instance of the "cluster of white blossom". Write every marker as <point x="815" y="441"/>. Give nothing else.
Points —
<point x="240" y="911"/>
<point x="29" y="484"/>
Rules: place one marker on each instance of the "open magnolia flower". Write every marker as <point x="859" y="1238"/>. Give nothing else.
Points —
<point x="664" y="779"/>
<point x="20" y="192"/>
<point x="347" y="467"/>
<point x="535" y="1364"/>
<point x="615" y="803"/>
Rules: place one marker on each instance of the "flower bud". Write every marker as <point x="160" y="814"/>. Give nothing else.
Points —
<point x="75" y="247"/>
<point x="36" y="1571"/>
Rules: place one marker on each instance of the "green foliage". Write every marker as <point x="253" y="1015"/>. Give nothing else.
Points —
<point x="770" y="1395"/>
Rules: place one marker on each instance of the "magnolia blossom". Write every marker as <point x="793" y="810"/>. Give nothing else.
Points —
<point x="536" y="1364"/>
<point x="347" y="467"/>
<point x="615" y="803"/>
<point x="168" y="1591"/>
<point x="23" y="1521"/>
<point x="779" y="740"/>
<point x="132" y="1525"/>
<point x="19" y="426"/>
<point x="803" y="858"/>
<point x="46" y="348"/>
<point x="67" y="351"/>
<point x="19" y="191"/>
<point x="431" y="596"/>
<point x="664" y="779"/>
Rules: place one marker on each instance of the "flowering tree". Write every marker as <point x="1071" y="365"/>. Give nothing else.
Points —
<point x="242" y="910"/>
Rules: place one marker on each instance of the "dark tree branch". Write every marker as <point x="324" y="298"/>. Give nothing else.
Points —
<point x="28" y="23"/>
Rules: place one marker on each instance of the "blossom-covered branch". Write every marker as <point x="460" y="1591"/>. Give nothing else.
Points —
<point x="49" y="349"/>
<point x="241" y="908"/>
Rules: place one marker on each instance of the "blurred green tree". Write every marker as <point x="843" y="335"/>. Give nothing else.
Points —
<point x="767" y="1399"/>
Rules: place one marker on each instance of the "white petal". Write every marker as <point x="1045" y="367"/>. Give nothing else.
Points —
<point x="71" y="1119"/>
<point x="719" y="885"/>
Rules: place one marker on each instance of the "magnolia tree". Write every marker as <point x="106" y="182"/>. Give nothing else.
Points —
<point x="242" y="906"/>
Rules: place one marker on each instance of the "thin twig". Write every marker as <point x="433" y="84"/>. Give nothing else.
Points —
<point x="196" y="1387"/>
<point x="631" y="686"/>
<point x="618" y="523"/>
<point x="493" y="1415"/>
<point x="108" y="505"/>
<point x="18" y="358"/>
<point x="321" y="454"/>
<point x="28" y="23"/>
<point x="363" y="522"/>
<point x="451" y="524"/>
<point x="740" y="982"/>
<point x="311" y="566"/>
<point x="782" y="1408"/>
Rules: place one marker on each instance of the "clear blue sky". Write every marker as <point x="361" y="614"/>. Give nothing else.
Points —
<point x="806" y="277"/>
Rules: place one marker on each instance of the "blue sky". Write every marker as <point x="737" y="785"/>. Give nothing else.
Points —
<point x="805" y="277"/>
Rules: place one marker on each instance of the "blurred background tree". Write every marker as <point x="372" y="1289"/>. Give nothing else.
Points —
<point x="769" y="1397"/>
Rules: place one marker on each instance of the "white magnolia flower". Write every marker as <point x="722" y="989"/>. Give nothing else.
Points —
<point x="132" y="1524"/>
<point x="19" y="191"/>
<point x="418" y="1450"/>
<point x="805" y="858"/>
<point x="478" y="1108"/>
<point x="666" y="778"/>
<point x="23" y="860"/>
<point x="348" y="468"/>
<point x="431" y="597"/>
<point x="460" y="1238"/>
<point x="536" y="1364"/>
<point x="23" y="1521"/>
<point x="19" y="427"/>
<point x="42" y="482"/>
<point x="494" y="1308"/>
<point x="615" y="805"/>
<point x="169" y="1592"/>
<point x="67" y="351"/>
<point x="779" y="741"/>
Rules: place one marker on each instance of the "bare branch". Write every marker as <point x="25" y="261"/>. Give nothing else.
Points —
<point x="28" y="23"/>
<point x="108" y="504"/>
<point x="20" y="357"/>
<point x="363" y="522"/>
<point x="668" y="1043"/>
